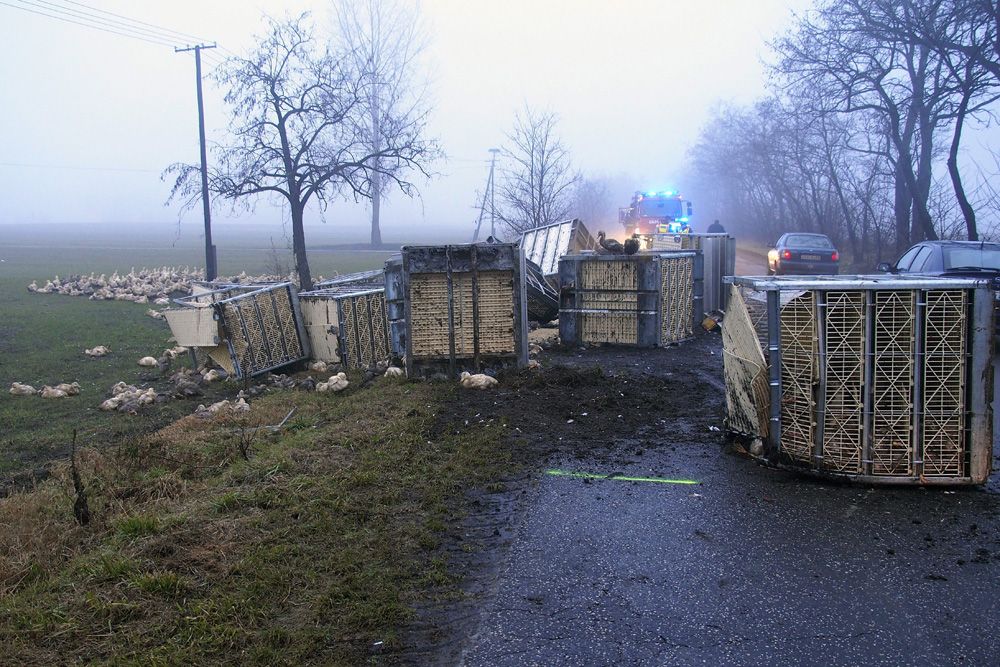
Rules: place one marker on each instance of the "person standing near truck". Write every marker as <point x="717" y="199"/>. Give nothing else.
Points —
<point x="716" y="228"/>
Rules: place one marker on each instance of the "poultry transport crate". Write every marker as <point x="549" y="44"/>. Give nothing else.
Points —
<point x="546" y="245"/>
<point x="719" y="254"/>
<point x="246" y="330"/>
<point x="647" y="300"/>
<point x="347" y="324"/>
<point x="880" y="379"/>
<point x="464" y="307"/>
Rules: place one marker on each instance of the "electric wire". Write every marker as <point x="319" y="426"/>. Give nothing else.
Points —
<point x="126" y="27"/>
<point x="185" y="35"/>
<point x="62" y="10"/>
<point x="85" y="25"/>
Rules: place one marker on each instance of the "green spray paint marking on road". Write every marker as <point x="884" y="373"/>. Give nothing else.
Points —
<point x="620" y="478"/>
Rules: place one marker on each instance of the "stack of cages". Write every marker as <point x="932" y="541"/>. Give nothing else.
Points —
<point x="719" y="253"/>
<point x="647" y="300"/>
<point x="247" y="330"/>
<point x="464" y="308"/>
<point x="347" y="323"/>
<point x="873" y="378"/>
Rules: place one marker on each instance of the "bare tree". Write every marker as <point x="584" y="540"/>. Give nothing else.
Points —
<point x="384" y="40"/>
<point x="537" y="185"/>
<point x="594" y="201"/>
<point x="299" y="132"/>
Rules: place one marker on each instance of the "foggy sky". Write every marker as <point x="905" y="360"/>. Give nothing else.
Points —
<point x="90" y="119"/>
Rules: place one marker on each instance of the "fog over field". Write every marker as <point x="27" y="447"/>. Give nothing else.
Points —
<point x="97" y="116"/>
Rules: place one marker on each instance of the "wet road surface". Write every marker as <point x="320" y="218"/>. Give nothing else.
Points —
<point x="752" y="566"/>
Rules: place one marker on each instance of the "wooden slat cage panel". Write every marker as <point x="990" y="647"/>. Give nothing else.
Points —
<point x="943" y="384"/>
<point x="892" y="383"/>
<point x="843" y="414"/>
<point x="745" y="370"/>
<point x="798" y="374"/>
<point x="677" y="299"/>
<point x="429" y="313"/>
<point x="616" y="285"/>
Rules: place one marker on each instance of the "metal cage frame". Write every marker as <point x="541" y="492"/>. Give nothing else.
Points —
<point x="879" y="379"/>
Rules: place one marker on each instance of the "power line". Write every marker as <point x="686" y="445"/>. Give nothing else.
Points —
<point x="91" y="17"/>
<point x="75" y="167"/>
<point x="85" y="25"/>
<point x="151" y="25"/>
<point x="62" y="10"/>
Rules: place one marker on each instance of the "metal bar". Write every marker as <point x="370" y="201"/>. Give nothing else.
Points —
<point x="916" y="431"/>
<point x="860" y="282"/>
<point x="820" y="332"/>
<point x="980" y="387"/>
<point x="475" y="308"/>
<point x="868" y="389"/>
<point x="407" y="316"/>
<point x="451" y="313"/>
<point x="774" y="363"/>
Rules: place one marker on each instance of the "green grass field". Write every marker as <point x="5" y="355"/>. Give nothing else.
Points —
<point x="42" y="336"/>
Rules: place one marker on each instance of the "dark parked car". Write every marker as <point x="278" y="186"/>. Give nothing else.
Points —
<point x="955" y="259"/>
<point x="958" y="259"/>
<point x="810" y="254"/>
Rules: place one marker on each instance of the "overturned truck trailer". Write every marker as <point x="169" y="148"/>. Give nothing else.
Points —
<point x="247" y="330"/>
<point x="879" y="379"/>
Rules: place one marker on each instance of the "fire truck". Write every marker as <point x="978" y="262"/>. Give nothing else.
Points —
<point x="652" y="212"/>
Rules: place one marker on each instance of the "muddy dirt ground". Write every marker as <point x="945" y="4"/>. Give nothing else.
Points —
<point x="747" y="566"/>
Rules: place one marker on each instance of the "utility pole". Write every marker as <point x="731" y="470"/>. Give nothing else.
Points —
<point x="211" y="268"/>
<point x="493" y="194"/>
<point x="488" y="192"/>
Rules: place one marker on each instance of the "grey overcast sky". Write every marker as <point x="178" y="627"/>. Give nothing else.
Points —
<point x="89" y="119"/>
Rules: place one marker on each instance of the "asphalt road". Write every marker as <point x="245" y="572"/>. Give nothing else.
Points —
<point x="751" y="566"/>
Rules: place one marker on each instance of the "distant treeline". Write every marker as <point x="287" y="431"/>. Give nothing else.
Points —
<point x="861" y="136"/>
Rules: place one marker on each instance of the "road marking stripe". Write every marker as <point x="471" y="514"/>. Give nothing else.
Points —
<point x="620" y="478"/>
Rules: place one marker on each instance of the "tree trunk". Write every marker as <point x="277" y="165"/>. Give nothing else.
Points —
<point x="901" y="208"/>
<point x="299" y="247"/>
<point x="956" y="178"/>
<point x="376" y="239"/>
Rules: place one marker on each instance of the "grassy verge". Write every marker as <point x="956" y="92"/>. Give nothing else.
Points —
<point x="309" y="550"/>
